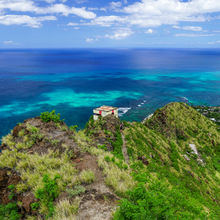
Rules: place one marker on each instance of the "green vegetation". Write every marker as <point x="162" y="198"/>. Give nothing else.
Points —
<point x="117" y="145"/>
<point x="173" y="169"/>
<point x="9" y="211"/>
<point x="73" y="128"/>
<point x="12" y="191"/>
<point x="169" y="186"/>
<point x="47" y="195"/>
<point x="158" y="202"/>
<point x="66" y="209"/>
<point x="212" y="113"/>
<point x="77" y="190"/>
<point x="119" y="178"/>
<point x="86" y="176"/>
<point x="50" y="116"/>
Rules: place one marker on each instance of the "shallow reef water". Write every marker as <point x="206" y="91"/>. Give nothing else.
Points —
<point x="73" y="82"/>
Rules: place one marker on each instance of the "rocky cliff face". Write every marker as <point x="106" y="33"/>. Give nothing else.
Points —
<point x="168" y="167"/>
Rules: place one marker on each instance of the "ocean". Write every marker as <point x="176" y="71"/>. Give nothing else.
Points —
<point x="74" y="81"/>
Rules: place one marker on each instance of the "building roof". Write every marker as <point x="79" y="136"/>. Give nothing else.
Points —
<point x="105" y="108"/>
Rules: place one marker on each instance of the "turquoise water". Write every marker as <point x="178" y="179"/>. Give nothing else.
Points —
<point x="75" y="81"/>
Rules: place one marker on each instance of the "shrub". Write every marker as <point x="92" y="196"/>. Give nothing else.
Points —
<point x="107" y="158"/>
<point x="117" y="145"/>
<point x="103" y="147"/>
<point x="158" y="202"/>
<point x="174" y="156"/>
<point x="50" y="116"/>
<point x="9" y="211"/>
<point x="73" y="128"/>
<point x="48" y="194"/>
<point x="35" y="205"/>
<point x="12" y="191"/>
<point x="21" y="133"/>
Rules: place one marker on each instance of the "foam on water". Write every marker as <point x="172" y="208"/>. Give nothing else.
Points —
<point x="123" y="110"/>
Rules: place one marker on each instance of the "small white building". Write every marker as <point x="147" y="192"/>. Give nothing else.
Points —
<point x="104" y="111"/>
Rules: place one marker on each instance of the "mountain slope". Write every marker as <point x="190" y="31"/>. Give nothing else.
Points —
<point x="181" y="149"/>
<point x="164" y="168"/>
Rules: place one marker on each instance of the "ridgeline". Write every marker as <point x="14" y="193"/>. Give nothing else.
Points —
<point x="165" y="168"/>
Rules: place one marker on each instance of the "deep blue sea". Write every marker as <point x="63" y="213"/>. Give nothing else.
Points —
<point x="75" y="81"/>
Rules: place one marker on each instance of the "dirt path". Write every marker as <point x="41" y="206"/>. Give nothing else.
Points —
<point x="98" y="202"/>
<point x="124" y="149"/>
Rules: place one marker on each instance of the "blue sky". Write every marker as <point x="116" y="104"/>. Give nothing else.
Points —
<point x="107" y="23"/>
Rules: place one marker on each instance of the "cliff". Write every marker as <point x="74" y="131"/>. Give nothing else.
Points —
<point x="165" y="168"/>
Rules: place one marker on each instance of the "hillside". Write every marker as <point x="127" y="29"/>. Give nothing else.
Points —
<point x="165" y="168"/>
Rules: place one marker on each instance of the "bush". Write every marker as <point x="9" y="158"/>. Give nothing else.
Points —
<point x="103" y="147"/>
<point x="12" y="191"/>
<point x="158" y="202"/>
<point x="48" y="194"/>
<point x="117" y="145"/>
<point x="50" y="116"/>
<point x="73" y="128"/>
<point x="107" y="159"/>
<point x="174" y="156"/>
<point x="9" y="211"/>
<point x="35" y="205"/>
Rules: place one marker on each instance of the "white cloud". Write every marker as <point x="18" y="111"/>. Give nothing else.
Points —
<point x="154" y="13"/>
<point x="9" y="9"/>
<point x="115" y="5"/>
<point x="170" y="11"/>
<point x="142" y="13"/>
<point x="50" y="1"/>
<point x="89" y="40"/>
<point x="108" y="21"/>
<point x="65" y="10"/>
<point x="29" y="6"/>
<point x="8" y="42"/>
<point x="120" y="34"/>
<point x="149" y="31"/>
<point x="214" y="42"/>
<point x="193" y="35"/>
<point x="72" y="24"/>
<point x="80" y="1"/>
<point x="34" y="22"/>
<point x="188" y="28"/>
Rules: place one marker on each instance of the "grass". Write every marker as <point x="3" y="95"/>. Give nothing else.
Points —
<point x="119" y="179"/>
<point x="87" y="176"/>
<point x="8" y="140"/>
<point x="66" y="210"/>
<point x="33" y="166"/>
<point x="166" y="187"/>
<point x="77" y="190"/>
<point x="164" y="142"/>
